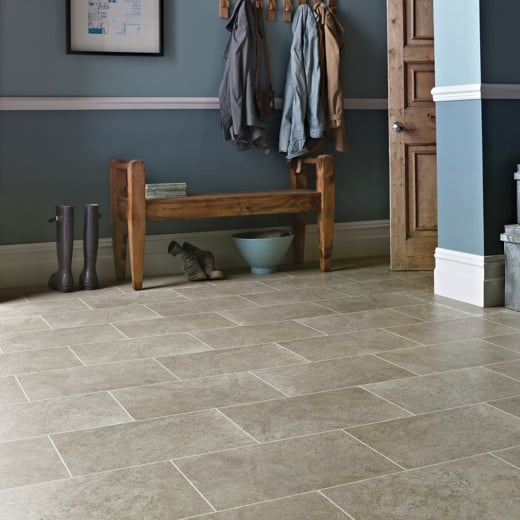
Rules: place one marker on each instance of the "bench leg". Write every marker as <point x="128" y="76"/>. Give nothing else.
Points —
<point x="136" y="221"/>
<point x="325" y="185"/>
<point x="118" y="188"/>
<point x="298" y="180"/>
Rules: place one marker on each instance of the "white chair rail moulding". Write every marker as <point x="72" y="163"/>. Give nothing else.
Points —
<point x="150" y="103"/>
<point x="476" y="91"/>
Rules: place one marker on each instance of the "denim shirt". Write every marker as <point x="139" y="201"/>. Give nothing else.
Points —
<point x="302" y="115"/>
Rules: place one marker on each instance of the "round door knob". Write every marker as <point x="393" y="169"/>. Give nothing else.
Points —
<point x="398" y="127"/>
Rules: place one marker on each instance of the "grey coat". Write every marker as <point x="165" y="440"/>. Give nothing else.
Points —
<point x="239" y="116"/>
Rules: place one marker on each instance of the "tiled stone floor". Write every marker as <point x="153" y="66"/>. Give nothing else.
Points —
<point x="301" y="395"/>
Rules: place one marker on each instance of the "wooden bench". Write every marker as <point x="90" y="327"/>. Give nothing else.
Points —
<point x="130" y="210"/>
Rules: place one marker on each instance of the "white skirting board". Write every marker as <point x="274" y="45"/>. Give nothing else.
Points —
<point x="26" y="265"/>
<point x="479" y="280"/>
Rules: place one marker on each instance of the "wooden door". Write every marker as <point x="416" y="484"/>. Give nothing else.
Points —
<point x="411" y="111"/>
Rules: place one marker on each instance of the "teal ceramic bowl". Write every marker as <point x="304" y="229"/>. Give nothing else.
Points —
<point x="263" y="250"/>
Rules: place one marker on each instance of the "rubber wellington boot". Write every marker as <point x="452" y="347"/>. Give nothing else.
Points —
<point x="62" y="279"/>
<point x="206" y="260"/>
<point x="192" y="269"/>
<point x="88" y="278"/>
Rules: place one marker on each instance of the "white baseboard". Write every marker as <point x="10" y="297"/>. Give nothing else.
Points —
<point x="479" y="280"/>
<point x="25" y="265"/>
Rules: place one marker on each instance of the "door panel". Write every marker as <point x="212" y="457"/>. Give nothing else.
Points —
<point x="413" y="171"/>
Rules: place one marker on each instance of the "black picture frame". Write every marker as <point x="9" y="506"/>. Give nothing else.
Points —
<point x="116" y="27"/>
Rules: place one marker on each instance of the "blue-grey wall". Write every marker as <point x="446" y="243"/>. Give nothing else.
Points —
<point x="58" y="157"/>
<point x="457" y="42"/>
<point x="478" y="144"/>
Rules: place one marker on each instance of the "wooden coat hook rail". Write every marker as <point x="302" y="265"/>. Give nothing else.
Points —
<point x="272" y="8"/>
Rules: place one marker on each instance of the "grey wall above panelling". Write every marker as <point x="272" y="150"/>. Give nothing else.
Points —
<point x="49" y="158"/>
<point x="34" y="62"/>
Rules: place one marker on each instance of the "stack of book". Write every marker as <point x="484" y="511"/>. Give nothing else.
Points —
<point x="165" y="190"/>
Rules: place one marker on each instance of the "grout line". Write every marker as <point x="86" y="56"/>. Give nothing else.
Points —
<point x="376" y="451"/>
<point x="250" y="504"/>
<point x="120" y="405"/>
<point x="269" y="384"/>
<point x="334" y="504"/>
<point x="119" y="331"/>
<point x="165" y="368"/>
<point x="193" y="486"/>
<point x="190" y="333"/>
<point x="237" y="425"/>
<point x="488" y="367"/>
<point x="493" y="454"/>
<point x="46" y="322"/>
<point x="389" y="402"/>
<point x="59" y="455"/>
<point x="75" y="355"/>
<point x="292" y="352"/>
<point x="89" y="307"/>
<point x="488" y="403"/>
<point x="22" y="389"/>
<point x="375" y="355"/>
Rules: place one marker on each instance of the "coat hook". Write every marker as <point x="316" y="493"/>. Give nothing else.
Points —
<point x="287" y="10"/>
<point x="272" y="8"/>
<point x="224" y="8"/>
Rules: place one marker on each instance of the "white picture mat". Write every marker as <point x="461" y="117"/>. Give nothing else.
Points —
<point x="148" y="41"/>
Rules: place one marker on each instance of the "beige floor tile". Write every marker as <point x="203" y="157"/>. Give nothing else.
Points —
<point x="82" y="380"/>
<point x="306" y="280"/>
<point x="224" y="361"/>
<point x="23" y="308"/>
<point x="135" y="298"/>
<point x="369" y="302"/>
<point x="441" y="436"/>
<point x="314" y="413"/>
<point x="310" y="506"/>
<point x="18" y="421"/>
<point x="185" y="306"/>
<point x="292" y="296"/>
<point x="275" y="313"/>
<point x="446" y="389"/>
<point x="10" y="391"/>
<point x="170" y="325"/>
<point x="331" y="374"/>
<point x="453" y="330"/>
<point x="380" y="286"/>
<point x="511" y="341"/>
<point x="37" y="361"/>
<point x="355" y="321"/>
<point x="511" y="405"/>
<point x="58" y="338"/>
<point x="255" y="334"/>
<point x="151" y="492"/>
<point x="509" y="368"/>
<point x="152" y="440"/>
<point x="449" y="356"/>
<point x="29" y="461"/>
<point x="273" y="470"/>
<point x="430" y="312"/>
<point x="511" y="455"/>
<point x="91" y="317"/>
<point x="189" y="396"/>
<point x="478" y="488"/>
<point x="217" y="290"/>
<point x="510" y="318"/>
<point x="138" y="348"/>
<point x="349" y="344"/>
<point x="22" y="324"/>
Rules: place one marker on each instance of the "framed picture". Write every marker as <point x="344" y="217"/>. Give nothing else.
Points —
<point x="128" y="27"/>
